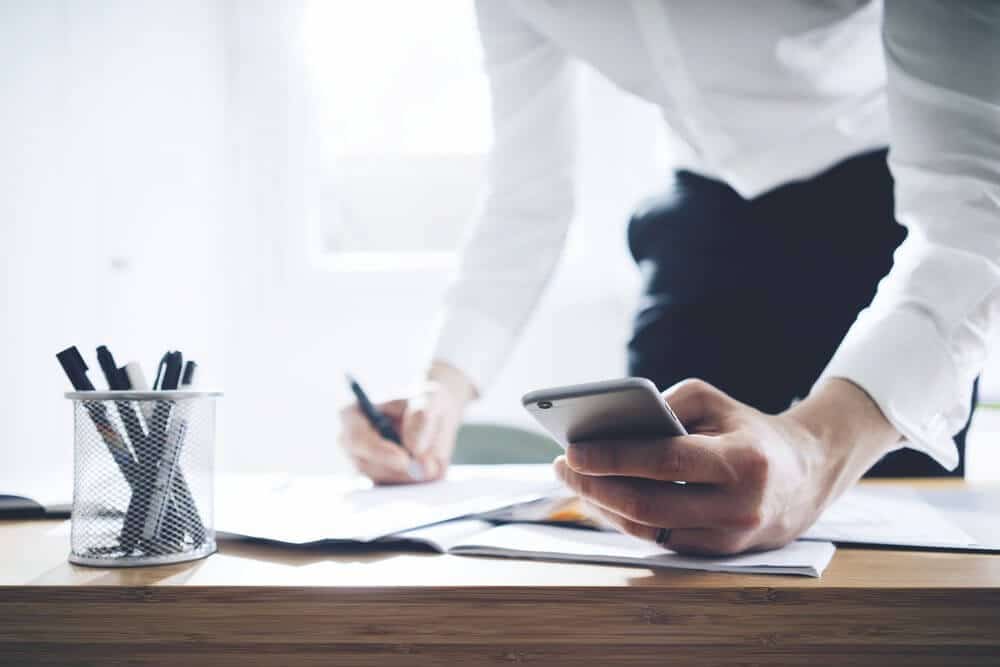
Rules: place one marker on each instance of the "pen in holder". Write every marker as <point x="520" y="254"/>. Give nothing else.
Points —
<point x="143" y="477"/>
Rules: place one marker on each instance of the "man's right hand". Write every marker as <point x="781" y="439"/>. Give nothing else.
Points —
<point x="426" y="421"/>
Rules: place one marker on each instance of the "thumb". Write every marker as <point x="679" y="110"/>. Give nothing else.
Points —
<point x="417" y="427"/>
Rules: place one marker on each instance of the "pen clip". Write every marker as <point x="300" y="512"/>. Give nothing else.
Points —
<point x="160" y="371"/>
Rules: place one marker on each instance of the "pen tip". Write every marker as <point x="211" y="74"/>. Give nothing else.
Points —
<point x="350" y="378"/>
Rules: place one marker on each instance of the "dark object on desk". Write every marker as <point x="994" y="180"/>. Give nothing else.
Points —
<point x="19" y="507"/>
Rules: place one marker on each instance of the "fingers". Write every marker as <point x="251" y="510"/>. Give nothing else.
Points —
<point x="380" y="459"/>
<point x="690" y="458"/>
<point x="658" y="504"/>
<point x="427" y="434"/>
<point x="693" y="541"/>
<point x="607" y="518"/>
<point x="380" y="473"/>
<point x="436" y="456"/>
<point x="711" y="541"/>
<point x="695" y="401"/>
<point x="419" y="425"/>
<point x="688" y="541"/>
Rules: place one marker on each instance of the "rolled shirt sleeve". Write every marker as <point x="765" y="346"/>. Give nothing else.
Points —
<point x="520" y="231"/>
<point x="917" y="349"/>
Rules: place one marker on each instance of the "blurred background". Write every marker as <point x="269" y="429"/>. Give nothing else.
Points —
<point x="274" y="191"/>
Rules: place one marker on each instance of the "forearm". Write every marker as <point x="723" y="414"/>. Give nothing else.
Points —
<point x="852" y="432"/>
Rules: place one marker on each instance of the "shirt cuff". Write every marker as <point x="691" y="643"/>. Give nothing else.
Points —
<point x="904" y="365"/>
<point x="474" y="344"/>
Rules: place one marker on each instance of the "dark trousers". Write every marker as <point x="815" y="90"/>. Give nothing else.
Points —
<point x="754" y="296"/>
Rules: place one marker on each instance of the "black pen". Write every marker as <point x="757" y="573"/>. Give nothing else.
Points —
<point x="188" y="377"/>
<point x="76" y="370"/>
<point x="168" y="378"/>
<point x="383" y="425"/>
<point x="168" y="375"/>
<point x="118" y="381"/>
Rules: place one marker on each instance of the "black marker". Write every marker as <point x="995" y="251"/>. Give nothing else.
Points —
<point x="76" y="370"/>
<point x="187" y="379"/>
<point x="168" y="378"/>
<point x="118" y="381"/>
<point x="382" y="424"/>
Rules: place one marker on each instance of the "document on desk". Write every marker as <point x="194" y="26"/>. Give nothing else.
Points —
<point x="475" y="537"/>
<point x="325" y="508"/>
<point x="911" y="517"/>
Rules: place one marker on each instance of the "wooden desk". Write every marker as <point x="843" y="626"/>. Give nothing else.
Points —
<point x="263" y="605"/>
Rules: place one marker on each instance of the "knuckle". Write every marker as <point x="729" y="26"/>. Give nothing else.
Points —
<point x="579" y="483"/>
<point x="754" y="466"/>
<point x="694" y="387"/>
<point x="578" y="457"/>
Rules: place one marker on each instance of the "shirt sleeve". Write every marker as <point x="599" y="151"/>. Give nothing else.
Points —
<point x="919" y="346"/>
<point x="518" y="237"/>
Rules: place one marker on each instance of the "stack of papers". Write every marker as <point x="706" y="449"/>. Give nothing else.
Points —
<point x="961" y="519"/>
<point x="324" y="508"/>
<point x="446" y="516"/>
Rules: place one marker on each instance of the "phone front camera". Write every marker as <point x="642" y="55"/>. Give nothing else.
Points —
<point x="545" y="405"/>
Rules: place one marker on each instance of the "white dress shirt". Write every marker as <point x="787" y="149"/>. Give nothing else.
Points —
<point x="764" y="92"/>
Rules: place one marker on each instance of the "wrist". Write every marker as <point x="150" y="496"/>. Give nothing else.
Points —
<point x="454" y="381"/>
<point x="850" y="428"/>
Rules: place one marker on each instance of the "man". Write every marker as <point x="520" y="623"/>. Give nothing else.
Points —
<point x="758" y="261"/>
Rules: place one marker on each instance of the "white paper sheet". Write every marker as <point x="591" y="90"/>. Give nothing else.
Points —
<point x="893" y="516"/>
<point x="558" y="543"/>
<point x="304" y="509"/>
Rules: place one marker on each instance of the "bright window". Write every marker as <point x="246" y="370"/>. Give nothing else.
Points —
<point x="404" y="123"/>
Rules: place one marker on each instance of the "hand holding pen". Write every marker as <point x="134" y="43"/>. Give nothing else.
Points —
<point x="421" y="431"/>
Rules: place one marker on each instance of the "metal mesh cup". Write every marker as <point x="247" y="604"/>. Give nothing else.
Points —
<point x="142" y="485"/>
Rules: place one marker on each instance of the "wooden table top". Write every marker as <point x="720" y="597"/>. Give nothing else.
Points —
<point x="254" y="604"/>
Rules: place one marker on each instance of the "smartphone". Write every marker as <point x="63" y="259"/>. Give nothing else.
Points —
<point x="614" y="409"/>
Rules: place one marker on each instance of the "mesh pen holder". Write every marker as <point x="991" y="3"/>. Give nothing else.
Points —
<point x="143" y="477"/>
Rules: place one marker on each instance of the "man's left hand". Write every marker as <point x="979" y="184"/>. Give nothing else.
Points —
<point x="752" y="480"/>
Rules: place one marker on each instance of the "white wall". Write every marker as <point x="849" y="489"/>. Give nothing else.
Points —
<point x="112" y="173"/>
<point x="155" y="183"/>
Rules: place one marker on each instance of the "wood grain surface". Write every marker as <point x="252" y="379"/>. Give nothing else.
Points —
<point x="255" y="604"/>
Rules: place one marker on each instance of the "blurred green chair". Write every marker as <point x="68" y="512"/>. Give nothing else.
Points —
<point x="500" y="443"/>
